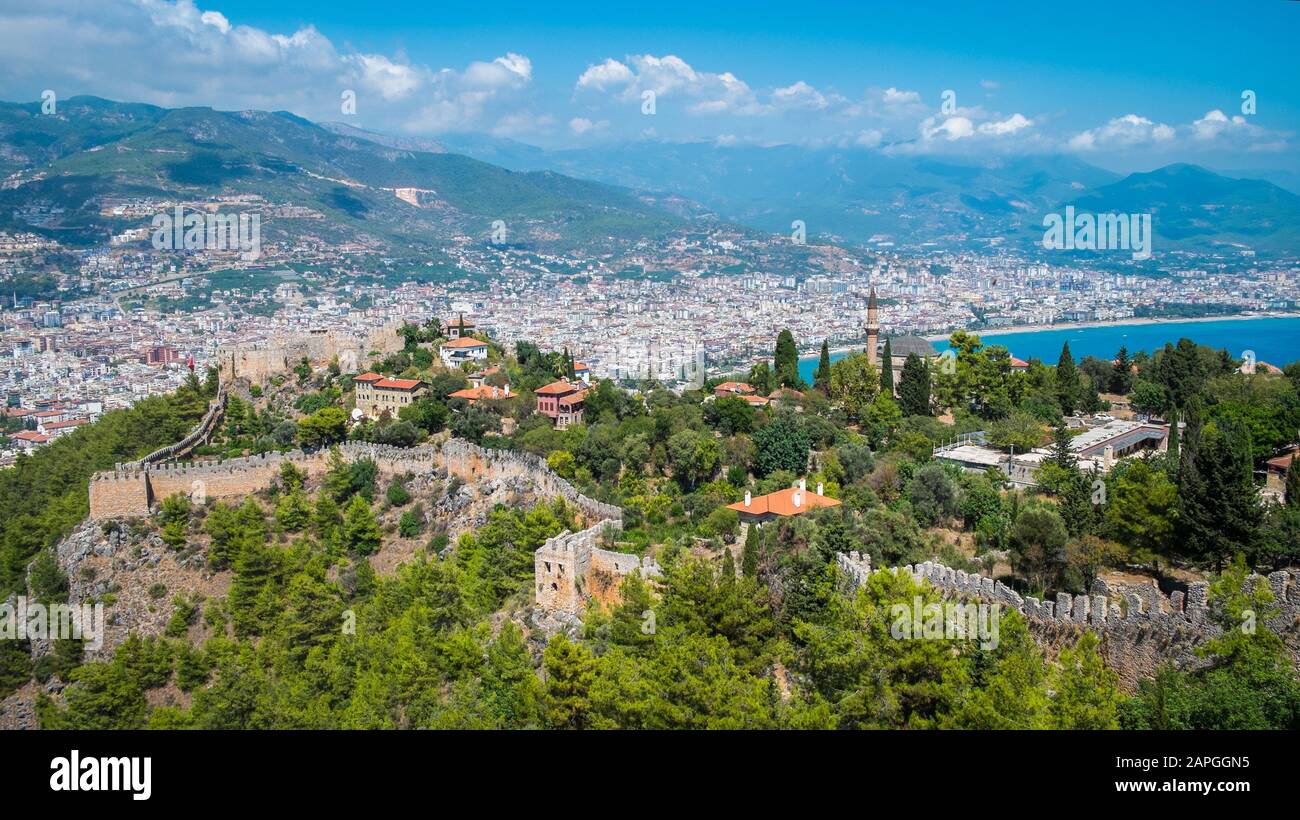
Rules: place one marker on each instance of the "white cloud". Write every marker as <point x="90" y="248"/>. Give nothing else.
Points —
<point x="869" y="138"/>
<point x="1010" y="125"/>
<point x="582" y="125"/>
<point x="892" y="96"/>
<point x="799" y="95"/>
<point x="705" y="92"/>
<point x="217" y="19"/>
<point x="392" y="81"/>
<point x="1127" y="131"/>
<point x="175" y="53"/>
<point x="952" y="128"/>
<point x="609" y="74"/>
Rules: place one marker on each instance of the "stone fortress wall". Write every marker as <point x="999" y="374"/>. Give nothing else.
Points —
<point x="132" y="489"/>
<point x="570" y="567"/>
<point x="257" y="362"/>
<point x="1140" y="628"/>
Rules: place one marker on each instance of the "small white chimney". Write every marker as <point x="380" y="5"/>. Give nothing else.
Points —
<point x="797" y="498"/>
<point x="507" y="390"/>
<point x="747" y="498"/>
<point x="803" y="484"/>
<point x="820" y="487"/>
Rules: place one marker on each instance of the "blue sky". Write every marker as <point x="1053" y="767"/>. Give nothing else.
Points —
<point x="1123" y="85"/>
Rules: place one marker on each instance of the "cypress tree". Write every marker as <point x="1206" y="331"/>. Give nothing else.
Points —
<point x="914" y="387"/>
<point x="785" y="362"/>
<point x="1171" y="454"/>
<point x="1293" y="484"/>
<point x="887" y="371"/>
<point x="749" y="557"/>
<point x="822" y="378"/>
<point x="1068" y="386"/>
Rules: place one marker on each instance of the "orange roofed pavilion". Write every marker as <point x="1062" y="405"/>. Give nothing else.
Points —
<point x="781" y="504"/>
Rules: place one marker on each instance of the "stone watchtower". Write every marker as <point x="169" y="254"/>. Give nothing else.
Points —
<point x="873" y="327"/>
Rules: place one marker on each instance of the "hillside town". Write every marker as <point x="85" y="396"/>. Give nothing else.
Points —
<point x="117" y="324"/>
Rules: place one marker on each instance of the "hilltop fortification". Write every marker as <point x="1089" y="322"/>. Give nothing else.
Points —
<point x="1140" y="627"/>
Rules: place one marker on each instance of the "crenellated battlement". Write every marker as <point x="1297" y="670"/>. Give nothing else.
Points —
<point x="130" y="489"/>
<point x="570" y="569"/>
<point x="1140" y="626"/>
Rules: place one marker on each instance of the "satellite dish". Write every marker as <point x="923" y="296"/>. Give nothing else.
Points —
<point x="357" y="414"/>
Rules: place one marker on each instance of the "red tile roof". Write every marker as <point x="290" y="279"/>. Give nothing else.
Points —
<point x="367" y="377"/>
<point x="464" y="342"/>
<point x="60" y="425"/>
<point x="781" y="502"/>
<point x="398" y="384"/>
<point x="558" y="388"/>
<point x="481" y="392"/>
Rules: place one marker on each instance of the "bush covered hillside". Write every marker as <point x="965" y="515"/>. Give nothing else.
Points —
<point x="747" y="627"/>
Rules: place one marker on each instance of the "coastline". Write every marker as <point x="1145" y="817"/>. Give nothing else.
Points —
<point x="1014" y="329"/>
<point x="1232" y="317"/>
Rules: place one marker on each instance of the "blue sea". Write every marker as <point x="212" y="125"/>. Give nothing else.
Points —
<point x="1274" y="340"/>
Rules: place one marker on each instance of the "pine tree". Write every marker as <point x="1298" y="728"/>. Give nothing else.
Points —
<point x="1062" y="453"/>
<point x="1219" y="514"/>
<point x="570" y="671"/>
<point x="293" y="512"/>
<point x="1121" y="377"/>
<point x="360" y="529"/>
<point x="914" y="387"/>
<point x="1069" y="389"/>
<point x="887" y="371"/>
<point x="822" y="378"/>
<point x="1086" y="692"/>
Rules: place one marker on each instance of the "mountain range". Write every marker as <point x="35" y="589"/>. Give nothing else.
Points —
<point x="406" y="190"/>
<point x="94" y="149"/>
<point x="873" y="196"/>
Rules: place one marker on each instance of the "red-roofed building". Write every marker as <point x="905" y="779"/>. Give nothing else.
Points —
<point x="55" y="429"/>
<point x="733" y="389"/>
<point x="781" y="504"/>
<point x="29" y="439"/>
<point x="562" y="402"/>
<point x="465" y="349"/>
<point x="483" y="392"/>
<point x="378" y="394"/>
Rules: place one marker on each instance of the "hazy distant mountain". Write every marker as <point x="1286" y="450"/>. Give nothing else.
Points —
<point x="1191" y="206"/>
<point x="94" y="149"/>
<point x="1287" y="180"/>
<point x="411" y="189"/>
<point x="854" y="193"/>
<point x="388" y="140"/>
